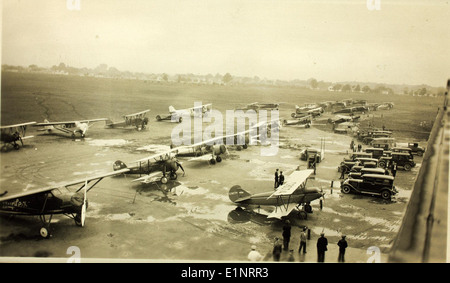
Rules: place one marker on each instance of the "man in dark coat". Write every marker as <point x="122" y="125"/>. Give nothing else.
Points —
<point x="342" y="246"/>
<point x="281" y="179"/>
<point x="286" y="234"/>
<point x="277" y="249"/>
<point x="322" y="244"/>
<point x="394" y="169"/>
<point x="276" y="179"/>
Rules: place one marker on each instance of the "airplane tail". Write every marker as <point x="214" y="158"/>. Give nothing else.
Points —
<point x="119" y="165"/>
<point x="172" y="109"/>
<point x="237" y="194"/>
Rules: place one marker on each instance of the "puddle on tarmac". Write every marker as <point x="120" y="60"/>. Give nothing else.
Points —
<point x="111" y="142"/>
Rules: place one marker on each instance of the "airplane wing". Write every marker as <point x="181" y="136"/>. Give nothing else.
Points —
<point x="152" y="177"/>
<point x="160" y="156"/>
<point x="281" y="211"/>
<point x="7" y="196"/>
<point x="69" y="122"/>
<point x="136" y="114"/>
<point x="293" y="182"/>
<point x="17" y="125"/>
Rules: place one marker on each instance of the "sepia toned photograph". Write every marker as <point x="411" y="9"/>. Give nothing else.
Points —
<point x="224" y="131"/>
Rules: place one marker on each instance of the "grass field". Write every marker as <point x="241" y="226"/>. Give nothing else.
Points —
<point x="73" y="98"/>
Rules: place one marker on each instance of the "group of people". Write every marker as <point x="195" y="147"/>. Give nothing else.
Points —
<point x="279" y="178"/>
<point x="354" y="147"/>
<point x="279" y="247"/>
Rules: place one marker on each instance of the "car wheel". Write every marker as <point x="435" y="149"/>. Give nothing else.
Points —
<point x="386" y="195"/>
<point x="407" y="167"/>
<point x="419" y="153"/>
<point x="346" y="189"/>
<point x="382" y="164"/>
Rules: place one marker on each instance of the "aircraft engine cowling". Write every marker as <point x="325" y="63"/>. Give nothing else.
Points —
<point x="219" y="149"/>
<point x="119" y="165"/>
<point x="171" y="166"/>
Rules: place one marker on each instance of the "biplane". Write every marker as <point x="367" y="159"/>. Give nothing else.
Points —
<point x="11" y="134"/>
<point x="306" y="121"/>
<point x="209" y="150"/>
<point x="258" y="106"/>
<point x="313" y="110"/>
<point x="177" y="115"/>
<point x="135" y="120"/>
<point x="343" y="118"/>
<point x="355" y="109"/>
<point x="58" y="199"/>
<point x="69" y="127"/>
<point x="291" y="195"/>
<point x="165" y="163"/>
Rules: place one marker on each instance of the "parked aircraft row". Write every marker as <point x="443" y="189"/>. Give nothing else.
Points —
<point x="12" y="134"/>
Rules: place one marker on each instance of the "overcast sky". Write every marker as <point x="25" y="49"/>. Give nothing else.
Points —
<point x="402" y="42"/>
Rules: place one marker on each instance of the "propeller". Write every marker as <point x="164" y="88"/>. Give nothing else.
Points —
<point x="83" y="207"/>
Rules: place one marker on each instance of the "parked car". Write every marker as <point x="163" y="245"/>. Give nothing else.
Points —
<point x="311" y="153"/>
<point x="415" y="148"/>
<point x="372" y="184"/>
<point x="404" y="160"/>
<point x="376" y="152"/>
<point x="354" y="155"/>
<point x="363" y="171"/>
<point x="402" y="150"/>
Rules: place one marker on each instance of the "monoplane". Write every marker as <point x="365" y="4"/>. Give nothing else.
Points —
<point x="135" y="120"/>
<point x="258" y="106"/>
<point x="177" y="115"/>
<point x="293" y="194"/>
<point x="58" y="199"/>
<point x="11" y="134"/>
<point x="69" y="127"/>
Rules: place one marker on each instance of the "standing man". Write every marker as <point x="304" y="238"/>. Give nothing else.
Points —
<point x="281" y="179"/>
<point x="286" y="234"/>
<point x="394" y="168"/>
<point x="276" y="179"/>
<point x="322" y="244"/>
<point x="343" y="171"/>
<point x="302" y="241"/>
<point x="342" y="246"/>
<point x="254" y="255"/>
<point x="277" y="249"/>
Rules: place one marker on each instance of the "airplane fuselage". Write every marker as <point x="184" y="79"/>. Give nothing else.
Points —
<point x="305" y="195"/>
<point x="44" y="203"/>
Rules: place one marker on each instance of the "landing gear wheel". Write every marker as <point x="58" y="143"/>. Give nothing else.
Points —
<point x="164" y="180"/>
<point x="245" y="146"/>
<point x="44" y="232"/>
<point x="180" y="120"/>
<point x="218" y="159"/>
<point x="212" y="161"/>
<point x="77" y="220"/>
<point x="16" y="146"/>
<point x="173" y="176"/>
<point x="73" y="136"/>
